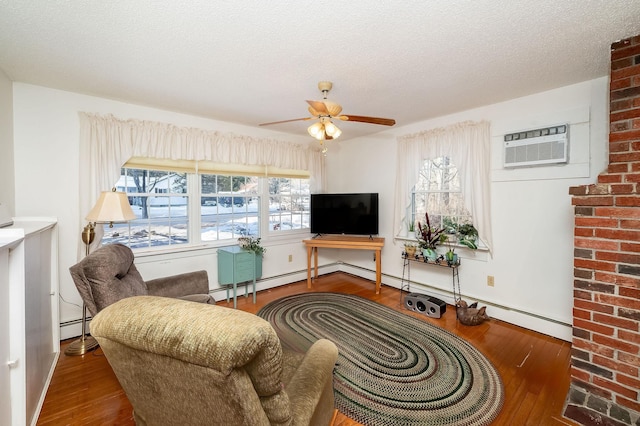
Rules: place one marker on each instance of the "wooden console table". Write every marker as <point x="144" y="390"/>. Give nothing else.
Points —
<point x="343" y="242"/>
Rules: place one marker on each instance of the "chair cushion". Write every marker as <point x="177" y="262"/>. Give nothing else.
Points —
<point x="110" y="275"/>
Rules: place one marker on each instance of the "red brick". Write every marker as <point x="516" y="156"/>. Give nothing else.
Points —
<point x="594" y="348"/>
<point x="584" y="232"/>
<point x="628" y="201"/>
<point x="621" y="63"/>
<point x="592" y="201"/>
<point x="620" y="126"/>
<point x="633" y="247"/>
<point x="633" y="405"/>
<point x="618" y="301"/>
<point x="635" y="124"/>
<point x="632" y="382"/>
<point x="635" y="146"/>
<point x="625" y="114"/>
<point x="632" y="177"/>
<point x="615" y="343"/>
<point x="625" y="157"/>
<point x="580" y="374"/>
<point x="618" y="235"/>
<point x="630" y="292"/>
<point x="624" y="73"/>
<point x="622" y="83"/>
<point x="617" y="168"/>
<point x="591" y="306"/>
<point x="579" y="313"/>
<point x="578" y="190"/>
<point x="619" y="105"/>
<point x="592" y="264"/>
<point x="623" y="49"/>
<point x="610" y="178"/>
<point x="623" y="188"/>
<point x="615" y="321"/>
<point x="582" y="294"/>
<point x="596" y="222"/>
<point x="630" y="224"/>
<point x="619" y="146"/>
<point x="620" y="212"/>
<point x="622" y="280"/>
<point x="615" y="387"/>
<point x="631" y="337"/>
<point x="595" y="244"/>
<point x="592" y="326"/>
<point x="615" y="365"/>
<point x="618" y="257"/>
<point x="629" y="359"/>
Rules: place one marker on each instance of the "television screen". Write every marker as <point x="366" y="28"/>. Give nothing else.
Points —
<point x="351" y="214"/>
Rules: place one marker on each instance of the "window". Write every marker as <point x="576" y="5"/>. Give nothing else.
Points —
<point x="175" y="208"/>
<point x="289" y="202"/>
<point x="438" y="192"/>
<point x="229" y="207"/>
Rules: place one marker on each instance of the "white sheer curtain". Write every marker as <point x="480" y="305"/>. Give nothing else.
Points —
<point x="107" y="142"/>
<point x="468" y="144"/>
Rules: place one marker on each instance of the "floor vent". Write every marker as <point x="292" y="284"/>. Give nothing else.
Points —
<point x="548" y="145"/>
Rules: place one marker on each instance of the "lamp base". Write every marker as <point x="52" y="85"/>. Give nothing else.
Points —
<point x="81" y="346"/>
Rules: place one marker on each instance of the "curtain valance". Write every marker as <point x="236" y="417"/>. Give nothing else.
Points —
<point x="107" y="143"/>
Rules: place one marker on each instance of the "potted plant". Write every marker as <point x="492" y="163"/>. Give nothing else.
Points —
<point x="468" y="235"/>
<point x="252" y="244"/>
<point x="410" y="249"/>
<point x="428" y="238"/>
<point x="450" y="255"/>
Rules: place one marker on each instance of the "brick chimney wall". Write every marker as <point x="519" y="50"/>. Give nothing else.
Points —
<point x="605" y="358"/>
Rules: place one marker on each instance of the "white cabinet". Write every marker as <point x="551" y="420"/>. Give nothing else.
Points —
<point x="29" y="323"/>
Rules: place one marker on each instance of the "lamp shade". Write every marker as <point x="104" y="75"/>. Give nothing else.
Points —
<point x="112" y="206"/>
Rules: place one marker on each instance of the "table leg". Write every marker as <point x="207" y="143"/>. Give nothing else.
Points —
<point x="235" y="288"/>
<point x="315" y="263"/>
<point x="378" y="270"/>
<point x="309" y="249"/>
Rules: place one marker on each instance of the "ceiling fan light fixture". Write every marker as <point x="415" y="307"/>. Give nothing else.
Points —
<point x="316" y="130"/>
<point x="332" y="130"/>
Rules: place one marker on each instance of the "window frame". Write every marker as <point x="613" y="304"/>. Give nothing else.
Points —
<point x="194" y="196"/>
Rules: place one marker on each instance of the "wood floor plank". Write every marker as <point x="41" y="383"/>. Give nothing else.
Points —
<point x="84" y="390"/>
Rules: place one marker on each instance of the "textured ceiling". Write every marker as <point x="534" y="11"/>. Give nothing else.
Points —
<point x="256" y="61"/>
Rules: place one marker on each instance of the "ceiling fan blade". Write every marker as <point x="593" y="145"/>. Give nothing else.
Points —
<point x="319" y="106"/>
<point x="286" y="121"/>
<point x="370" y="120"/>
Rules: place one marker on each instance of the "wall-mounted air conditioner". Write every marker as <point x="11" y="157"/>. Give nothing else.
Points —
<point x="548" y="145"/>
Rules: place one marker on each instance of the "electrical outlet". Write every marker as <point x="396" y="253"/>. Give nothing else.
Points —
<point x="290" y="258"/>
<point x="490" y="280"/>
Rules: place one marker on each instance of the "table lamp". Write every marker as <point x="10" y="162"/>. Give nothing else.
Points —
<point x="112" y="207"/>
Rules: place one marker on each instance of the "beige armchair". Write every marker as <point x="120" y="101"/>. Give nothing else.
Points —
<point x="183" y="363"/>
<point x="109" y="274"/>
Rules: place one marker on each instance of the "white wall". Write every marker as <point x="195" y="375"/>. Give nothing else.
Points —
<point x="532" y="213"/>
<point x="46" y="147"/>
<point x="532" y="216"/>
<point x="7" y="189"/>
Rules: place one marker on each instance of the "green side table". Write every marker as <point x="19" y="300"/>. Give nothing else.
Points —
<point x="238" y="266"/>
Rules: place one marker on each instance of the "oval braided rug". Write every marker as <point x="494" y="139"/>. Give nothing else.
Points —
<point x="393" y="369"/>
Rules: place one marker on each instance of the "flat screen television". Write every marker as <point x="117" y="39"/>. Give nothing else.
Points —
<point x="350" y="214"/>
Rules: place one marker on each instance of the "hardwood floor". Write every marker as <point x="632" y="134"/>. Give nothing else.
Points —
<point x="534" y="367"/>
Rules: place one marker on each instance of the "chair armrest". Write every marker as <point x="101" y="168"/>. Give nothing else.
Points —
<point x="313" y="377"/>
<point x="179" y="285"/>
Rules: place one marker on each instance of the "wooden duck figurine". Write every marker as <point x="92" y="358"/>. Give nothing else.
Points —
<point x="470" y="314"/>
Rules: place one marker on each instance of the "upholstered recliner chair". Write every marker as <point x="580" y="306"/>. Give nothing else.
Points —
<point x="183" y="363"/>
<point x="109" y="274"/>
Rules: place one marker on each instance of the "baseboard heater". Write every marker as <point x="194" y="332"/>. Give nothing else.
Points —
<point x="547" y="145"/>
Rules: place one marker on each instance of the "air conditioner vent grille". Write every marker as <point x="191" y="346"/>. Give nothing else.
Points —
<point x="548" y="145"/>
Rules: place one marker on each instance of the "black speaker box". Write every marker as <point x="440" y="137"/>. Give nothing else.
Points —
<point x="421" y="303"/>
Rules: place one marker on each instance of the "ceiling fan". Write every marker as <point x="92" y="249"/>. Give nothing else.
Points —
<point x="324" y="111"/>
